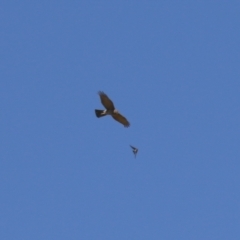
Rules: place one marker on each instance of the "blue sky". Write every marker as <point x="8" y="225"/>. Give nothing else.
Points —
<point x="172" y="68"/>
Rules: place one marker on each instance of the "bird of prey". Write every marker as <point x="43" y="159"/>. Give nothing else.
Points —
<point x="110" y="110"/>
<point x="135" y="150"/>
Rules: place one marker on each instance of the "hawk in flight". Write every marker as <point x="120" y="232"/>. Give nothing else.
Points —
<point x="110" y="110"/>
<point x="135" y="150"/>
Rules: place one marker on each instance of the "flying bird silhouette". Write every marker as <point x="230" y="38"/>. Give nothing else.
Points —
<point x="135" y="150"/>
<point x="110" y="110"/>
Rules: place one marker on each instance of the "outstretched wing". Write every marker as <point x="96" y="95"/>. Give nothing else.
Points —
<point x="106" y="101"/>
<point x="118" y="117"/>
<point x="133" y="147"/>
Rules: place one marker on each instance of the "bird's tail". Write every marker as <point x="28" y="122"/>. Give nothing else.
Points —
<point x="100" y="113"/>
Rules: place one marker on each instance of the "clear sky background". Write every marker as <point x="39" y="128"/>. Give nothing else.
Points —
<point x="172" y="68"/>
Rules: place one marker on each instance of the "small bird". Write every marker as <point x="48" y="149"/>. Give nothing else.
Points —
<point x="135" y="150"/>
<point x="110" y="110"/>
